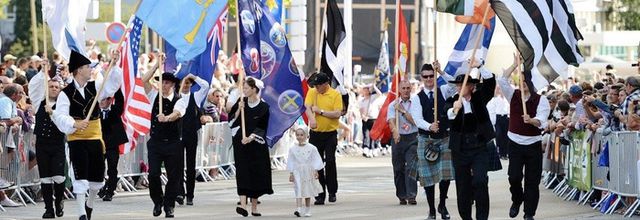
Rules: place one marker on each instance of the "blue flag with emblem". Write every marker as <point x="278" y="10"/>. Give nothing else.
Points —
<point x="382" y="68"/>
<point x="185" y="24"/>
<point x="279" y="72"/>
<point x="249" y="12"/>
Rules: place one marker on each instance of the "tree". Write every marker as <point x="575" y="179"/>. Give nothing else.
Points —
<point x="3" y="3"/>
<point x="626" y="14"/>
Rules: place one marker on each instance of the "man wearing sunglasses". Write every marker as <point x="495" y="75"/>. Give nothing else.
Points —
<point x="433" y="138"/>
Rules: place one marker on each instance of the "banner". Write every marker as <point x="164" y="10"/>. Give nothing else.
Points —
<point x="580" y="160"/>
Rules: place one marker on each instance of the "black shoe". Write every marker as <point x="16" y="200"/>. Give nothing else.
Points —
<point x="296" y="213"/>
<point x="513" y="211"/>
<point x="332" y="197"/>
<point x="180" y="200"/>
<point x="319" y="202"/>
<point x="257" y="214"/>
<point x="157" y="210"/>
<point x="83" y="217"/>
<point x="403" y="201"/>
<point x="60" y="209"/>
<point x="168" y="212"/>
<point x="526" y="217"/>
<point x="48" y="213"/>
<point x="432" y="215"/>
<point x="102" y="192"/>
<point x="88" y="210"/>
<point x="412" y="201"/>
<point x="190" y="201"/>
<point x="242" y="211"/>
<point x="107" y="197"/>
<point x="444" y="212"/>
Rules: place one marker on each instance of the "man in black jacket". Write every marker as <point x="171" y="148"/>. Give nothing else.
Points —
<point x="470" y="131"/>
<point x="114" y="135"/>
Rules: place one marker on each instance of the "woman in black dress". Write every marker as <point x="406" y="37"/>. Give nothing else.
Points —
<point x="251" y="154"/>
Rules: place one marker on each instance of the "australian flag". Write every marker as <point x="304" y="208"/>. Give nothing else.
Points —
<point x="279" y="72"/>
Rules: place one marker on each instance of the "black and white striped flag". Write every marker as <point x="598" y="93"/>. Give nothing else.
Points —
<point x="545" y="33"/>
<point x="334" y="47"/>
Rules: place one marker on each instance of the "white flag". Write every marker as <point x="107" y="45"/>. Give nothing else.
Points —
<point x="66" y="19"/>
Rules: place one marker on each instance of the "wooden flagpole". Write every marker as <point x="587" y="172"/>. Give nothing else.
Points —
<point x="46" y="70"/>
<point x="106" y="76"/>
<point x="241" y="72"/>
<point x="161" y="69"/>
<point x="435" y="58"/>
<point x="473" y="55"/>
<point x="397" y="66"/>
<point x="521" y="82"/>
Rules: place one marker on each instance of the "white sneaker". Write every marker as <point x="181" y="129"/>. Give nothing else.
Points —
<point x="307" y="212"/>
<point x="9" y="203"/>
<point x="376" y="152"/>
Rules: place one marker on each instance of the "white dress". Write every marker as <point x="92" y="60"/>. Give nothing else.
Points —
<point x="303" y="162"/>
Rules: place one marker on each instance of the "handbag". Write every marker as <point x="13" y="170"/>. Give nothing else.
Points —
<point x="431" y="152"/>
<point x="494" y="158"/>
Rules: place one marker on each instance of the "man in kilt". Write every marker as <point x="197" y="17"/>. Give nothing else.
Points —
<point x="434" y="155"/>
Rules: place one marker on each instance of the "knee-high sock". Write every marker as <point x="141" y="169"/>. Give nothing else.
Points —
<point x="444" y="189"/>
<point x="59" y="189"/>
<point x="80" y="198"/>
<point x="92" y="197"/>
<point x="47" y="195"/>
<point x="430" y="191"/>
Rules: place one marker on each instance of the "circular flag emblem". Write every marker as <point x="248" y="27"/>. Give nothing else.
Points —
<point x="290" y="102"/>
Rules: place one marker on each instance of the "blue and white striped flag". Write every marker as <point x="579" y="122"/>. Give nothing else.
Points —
<point x="464" y="47"/>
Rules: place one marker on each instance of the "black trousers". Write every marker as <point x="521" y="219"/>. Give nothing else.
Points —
<point x="367" y="142"/>
<point x="51" y="158"/>
<point x="190" y="146"/>
<point x="326" y="143"/>
<point x="112" y="156"/>
<point x="502" y="127"/>
<point x="472" y="182"/>
<point x="528" y="157"/>
<point x="167" y="153"/>
<point x="87" y="159"/>
<point x="401" y="155"/>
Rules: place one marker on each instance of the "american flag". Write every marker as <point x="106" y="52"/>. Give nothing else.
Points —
<point x="137" y="108"/>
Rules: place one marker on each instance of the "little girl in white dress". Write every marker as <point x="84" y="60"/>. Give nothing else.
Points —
<point x="303" y="163"/>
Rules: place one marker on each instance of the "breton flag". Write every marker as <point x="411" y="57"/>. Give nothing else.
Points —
<point x="382" y="70"/>
<point x="137" y="108"/>
<point x="334" y="47"/>
<point x="66" y="24"/>
<point x="464" y="47"/>
<point x="456" y="7"/>
<point x="545" y="34"/>
<point x="381" y="130"/>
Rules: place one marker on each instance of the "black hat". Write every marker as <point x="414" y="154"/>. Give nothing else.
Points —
<point x="168" y="76"/>
<point x="318" y="78"/>
<point x="460" y="79"/>
<point x="77" y="60"/>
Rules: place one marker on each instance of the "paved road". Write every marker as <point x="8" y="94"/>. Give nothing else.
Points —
<point x="366" y="192"/>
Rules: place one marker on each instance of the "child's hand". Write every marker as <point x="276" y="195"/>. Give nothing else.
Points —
<point x="291" y="178"/>
<point x="315" y="175"/>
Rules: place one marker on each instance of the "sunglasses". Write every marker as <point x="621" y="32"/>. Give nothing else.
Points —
<point x="427" y="76"/>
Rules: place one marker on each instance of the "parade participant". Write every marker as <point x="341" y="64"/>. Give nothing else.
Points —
<point x="49" y="145"/>
<point x="470" y="130"/>
<point x="114" y="135"/>
<point x="369" y="110"/>
<point x="525" y="143"/>
<point x="84" y="137"/>
<point x="324" y="108"/>
<point x="251" y="154"/>
<point x="434" y="155"/>
<point x="303" y="164"/>
<point x="164" y="145"/>
<point x="498" y="109"/>
<point x="403" y="148"/>
<point x="190" y="126"/>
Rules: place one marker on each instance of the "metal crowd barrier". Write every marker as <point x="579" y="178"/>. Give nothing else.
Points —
<point x="14" y="164"/>
<point x="215" y="151"/>
<point x="130" y="165"/>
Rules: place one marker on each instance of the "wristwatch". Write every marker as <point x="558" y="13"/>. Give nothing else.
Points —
<point x="322" y="112"/>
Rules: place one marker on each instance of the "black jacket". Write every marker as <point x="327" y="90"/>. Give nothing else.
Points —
<point x="475" y="127"/>
<point x="113" y="132"/>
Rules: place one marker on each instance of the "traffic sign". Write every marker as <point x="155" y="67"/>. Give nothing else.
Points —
<point x="114" y="32"/>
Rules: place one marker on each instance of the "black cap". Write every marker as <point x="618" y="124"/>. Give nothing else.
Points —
<point x="318" y="78"/>
<point x="460" y="79"/>
<point x="77" y="60"/>
<point x="168" y="76"/>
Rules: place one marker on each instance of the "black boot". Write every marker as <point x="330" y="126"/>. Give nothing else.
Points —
<point x="47" y="196"/>
<point x="59" y="189"/>
<point x="88" y="210"/>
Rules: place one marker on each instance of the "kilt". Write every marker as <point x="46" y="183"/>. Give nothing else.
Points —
<point x="430" y="173"/>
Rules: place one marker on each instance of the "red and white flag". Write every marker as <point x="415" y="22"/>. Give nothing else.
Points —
<point x="137" y="108"/>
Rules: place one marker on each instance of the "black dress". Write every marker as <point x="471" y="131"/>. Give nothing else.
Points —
<point x="253" y="165"/>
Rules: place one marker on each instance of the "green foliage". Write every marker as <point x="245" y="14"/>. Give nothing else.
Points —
<point x="20" y="48"/>
<point x="233" y="7"/>
<point x="22" y="28"/>
<point x="626" y="14"/>
<point x="3" y="3"/>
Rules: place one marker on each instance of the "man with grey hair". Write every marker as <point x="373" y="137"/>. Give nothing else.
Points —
<point x="632" y="87"/>
<point x="8" y="111"/>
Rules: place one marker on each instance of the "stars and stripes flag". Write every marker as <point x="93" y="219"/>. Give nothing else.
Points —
<point x="546" y="35"/>
<point x="137" y="108"/>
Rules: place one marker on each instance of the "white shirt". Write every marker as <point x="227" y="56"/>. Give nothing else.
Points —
<point x="497" y="106"/>
<point x="61" y="117"/>
<point x="37" y="91"/>
<point x="199" y="95"/>
<point x="180" y="106"/>
<point x="416" y="107"/>
<point x="370" y="106"/>
<point x="542" y="113"/>
<point x="466" y="105"/>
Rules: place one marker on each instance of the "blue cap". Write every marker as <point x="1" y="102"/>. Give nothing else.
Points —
<point x="575" y="90"/>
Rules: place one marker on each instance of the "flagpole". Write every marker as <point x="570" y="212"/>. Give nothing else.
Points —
<point x="106" y="76"/>
<point x="473" y="54"/>
<point x="161" y="69"/>
<point x="241" y="73"/>
<point x="46" y="70"/>
<point x="521" y="82"/>
<point x="396" y="58"/>
<point x="435" y="58"/>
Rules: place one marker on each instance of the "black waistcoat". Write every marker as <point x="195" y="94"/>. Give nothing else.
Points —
<point x="45" y="130"/>
<point x="165" y="131"/>
<point x="191" y="119"/>
<point x="79" y="106"/>
<point x="427" y="114"/>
